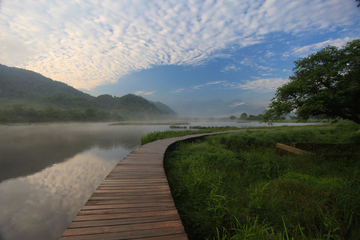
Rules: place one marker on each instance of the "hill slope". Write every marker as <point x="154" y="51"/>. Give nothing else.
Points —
<point x="164" y="107"/>
<point x="20" y="83"/>
<point x="34" y="90"/>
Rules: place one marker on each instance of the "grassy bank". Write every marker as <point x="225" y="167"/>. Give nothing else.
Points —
<point x="234" y="186"/>
<point x="149" y="123"/>
<point x="171" y="133"/>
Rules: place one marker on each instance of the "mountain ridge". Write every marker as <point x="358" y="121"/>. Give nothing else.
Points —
<point x="25" y="87"/>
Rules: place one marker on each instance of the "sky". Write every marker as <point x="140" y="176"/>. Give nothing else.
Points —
<point x="172" y="50"/>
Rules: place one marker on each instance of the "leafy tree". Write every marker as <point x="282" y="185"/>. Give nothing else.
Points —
<point x="254" y="118"/>
<point x="243" y="116"/>
<point x="232" y="117"/>
<point x="324" y="83"/>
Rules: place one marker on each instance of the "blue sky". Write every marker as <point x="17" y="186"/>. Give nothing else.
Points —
<point x="172" y="50"/>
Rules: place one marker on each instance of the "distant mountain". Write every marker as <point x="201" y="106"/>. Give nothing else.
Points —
<point x="31" y="89"/>
<point x="139" y="108"/>
<point x="215" y="108"/>
<point x="164" y="107"/>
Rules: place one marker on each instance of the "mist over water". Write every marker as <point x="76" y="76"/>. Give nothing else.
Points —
<point x="47" y="172"/>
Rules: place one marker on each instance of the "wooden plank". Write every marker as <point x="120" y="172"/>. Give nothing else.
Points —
<point x="160" y="180"/>
<point x="125" y="210"/>
<point x="284" y="150"/>
<point x="129" y="205"/>
<point x="118" y="200"/>
<point x="131" y="235"/>
<point x="132" y="191"/>
<point x="123" y="221"/>
<point x="123" y="215"/>
<point x="168" y="237"/>
<point x="122" y="228"/>
<point x="132" y="199"/>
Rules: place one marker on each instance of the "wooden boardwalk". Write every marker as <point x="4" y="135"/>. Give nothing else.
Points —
<point x="134" y="201"/>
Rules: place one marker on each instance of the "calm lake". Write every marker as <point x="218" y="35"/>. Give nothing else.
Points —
<point x="48" y="172"/>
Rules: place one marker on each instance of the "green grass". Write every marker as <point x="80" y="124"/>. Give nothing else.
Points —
<point x="149" y="123"/>
<point x="234" y="186"/>
<point x="171" y="133"/>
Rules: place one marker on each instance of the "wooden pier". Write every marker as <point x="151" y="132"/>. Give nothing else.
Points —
<point x="134" y="201"/>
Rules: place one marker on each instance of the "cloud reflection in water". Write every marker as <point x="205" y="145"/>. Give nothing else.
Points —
<point x="30" y="207"/>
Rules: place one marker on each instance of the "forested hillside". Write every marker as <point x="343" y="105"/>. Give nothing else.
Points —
<point x="20" y="83"/>
<point x="26" y="96"/>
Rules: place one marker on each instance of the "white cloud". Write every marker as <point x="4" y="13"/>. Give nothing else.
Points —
<point x="178" y="90"/>
<point x="307" y="50"/>
<point x="237" y="104"/>
<point x="265" y="68"/>
<point x="144" y="93"/>
<point x="90" y="43"/>
<point x="258" y="85"/>
<point x="269" y="54"/>
<point x="207" y="84"/>
<point x="230" y="67"/>
<point x="262" y="85"/>
<point x="286" y="55"/>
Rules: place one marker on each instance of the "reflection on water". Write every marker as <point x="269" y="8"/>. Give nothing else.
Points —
<point x="47" y="172"/>
<point x="28" y="149"/>
<point x="67" y="163"/>
<point x="41" y="206"/>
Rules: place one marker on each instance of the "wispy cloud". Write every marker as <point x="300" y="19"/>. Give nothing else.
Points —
<point x="87" y="43"/>
<point x="178" y="90"/>
<point x="207" y="84"/>
<point x="306" y="50"/>
<point x="258" y="85"/>
<point x="261" y="85"/>
<point x="144" y="93"/>
<point x="265" y="68"/>
<point x="230" y="67"/>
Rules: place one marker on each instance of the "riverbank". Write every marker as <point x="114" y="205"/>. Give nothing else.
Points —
<point x="150" y="123"/>
<point x="234" y="186"/>
<point x="157" y="135"/>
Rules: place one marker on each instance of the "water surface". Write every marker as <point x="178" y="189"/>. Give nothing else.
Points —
<point x="47" y="172"/>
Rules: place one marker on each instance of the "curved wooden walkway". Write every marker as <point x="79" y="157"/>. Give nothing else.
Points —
<point x="134" y="201"/>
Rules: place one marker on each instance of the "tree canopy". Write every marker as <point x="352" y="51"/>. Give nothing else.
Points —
<point x="324" y="83"/>
<point x="243" y="116"/>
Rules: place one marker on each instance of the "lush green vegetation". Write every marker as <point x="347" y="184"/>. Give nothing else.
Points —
<point x="149" y="123"/>
<point x="17" y="83"/>
<point x="178" y="127"/>
<point x="285" y="118"/>
<point x="171" y="133"/>
<point x="234" y="186"/>
<point x="20" y="114"/>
